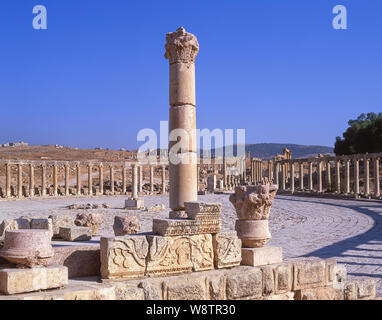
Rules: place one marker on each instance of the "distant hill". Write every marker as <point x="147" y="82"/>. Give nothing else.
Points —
<point x="269" y="150"/>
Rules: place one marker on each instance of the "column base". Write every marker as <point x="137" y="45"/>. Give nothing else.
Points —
<point x="134" y="204"/>
<point x="255" y="257"/>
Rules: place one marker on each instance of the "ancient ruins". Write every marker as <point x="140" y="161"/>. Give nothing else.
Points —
<point x="187" y="255"/>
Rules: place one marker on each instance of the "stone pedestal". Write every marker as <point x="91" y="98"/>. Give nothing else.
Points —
<point x="261" y="256"/>
<point x="134" y="204"/>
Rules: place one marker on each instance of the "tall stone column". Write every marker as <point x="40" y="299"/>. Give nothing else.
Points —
<point x="328" y="177"/>
<point x="111" y="179"/>
<point x="31" y="180"/>
<point x="225" y="173"/>
<point x="78" y="179"/>
<point x="310" y="173"/>
<point x="19" y="180"/>
<point x="67" y="178"/>
<point x="140" y="179"/>
<point x="163" y="179"/>
<point x="134" y="203"/>
<point x="283" y="180"/>
<point x="134" y="188"/>
<point x="270" y="178"/>
<point x="319" y="176"/>
<point x="356" y="177"/>
<point x="100" y="172"/>
<point x="124" y="185"/>
<point x="90" y="179"/>
<point x="8" y="168"/>
<point x="181" y="51"/>
<point x="347" y="175"/>
<point x="301" y="176"/>
<point x="55" y="180"/>
<point x="151" y="179"/>
<point x="277" y="174"/>
<point x="366" y="168"/>
<point x="43" y="179"/>
<point x="338" y="176"/>
<point x="292" y="177"/>
<point x="377" y="182"/>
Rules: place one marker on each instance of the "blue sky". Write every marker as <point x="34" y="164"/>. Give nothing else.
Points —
<point x="276" y="68"/>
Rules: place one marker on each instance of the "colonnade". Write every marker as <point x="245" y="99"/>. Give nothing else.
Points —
<point x="20" y="178"/>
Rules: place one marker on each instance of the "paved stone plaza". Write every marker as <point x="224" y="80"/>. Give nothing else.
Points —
<point x="303" y="226"/>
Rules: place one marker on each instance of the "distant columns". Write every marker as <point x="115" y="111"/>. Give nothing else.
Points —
<point x="31" y="180"/>
<point x="319" y="176"/>
<point x="356" y="176"/>
<point x="377" y="186"/>
<point x="134" y="187"/>
<point x="78" y="179"/>
<point x="19" y="180"/>
<point x="55" y="180"/>
<point x="310" y="173"/>
<point x="338" y="176"/>
<point x="43" y="179"/>
<point x="347" y="176"/>
<point x="90" y="179"/>
<point x="100" y="168"/>
<point x="8" y="180"/>
<point x="152" y="179"/>
<point x="301" y="176"/>
<point x="67" y="178"/>
<point x="366" y="168"/>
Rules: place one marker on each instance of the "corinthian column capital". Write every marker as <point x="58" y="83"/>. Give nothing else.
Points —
<point x="181" y="46"/>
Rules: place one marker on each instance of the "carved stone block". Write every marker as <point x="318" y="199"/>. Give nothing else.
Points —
<point x="168" y="255"/>
<point x="123" y="257"/>
<point x="227" y="249"/>
<point x="182" y="227"/>
<point x="202" y="210"/>
<point x="202" y="252"/>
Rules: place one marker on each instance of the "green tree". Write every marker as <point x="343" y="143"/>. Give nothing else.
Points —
<point x="364" y="135"/>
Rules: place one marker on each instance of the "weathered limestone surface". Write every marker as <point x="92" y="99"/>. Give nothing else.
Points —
<point x="253" y="202"/>
<point x="60" y="220"/>
<point x="13" y="281"/>
<point x="203" y="211"/>
<point x="81" y="260"/>
<point x="261" y="256"/>
<point x="124" y="225"/>
<point x="202" y="252"/>
<point x="75" y="233"/>
<point x="175" y="227"/>
<point x="91" y="220"/>
<point x="168" y="255"/>
<point x="309" y="273"/>
<point x="27" y="247"/>
<point x="272" y="282"/>
<point x="253" y="233"/>
<point x="134" y="204"/>
<point x="227" y="249"/>
<point x="42" y="223"/>
<point x="123" y="257"/>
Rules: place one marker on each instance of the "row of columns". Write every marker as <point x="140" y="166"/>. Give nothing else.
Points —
<point x="326" y="165"/>
<point x="137" y="178"/>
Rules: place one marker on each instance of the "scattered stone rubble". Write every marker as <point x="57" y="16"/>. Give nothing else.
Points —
<point x="88" y="206"/>
<point x="91" y="220"/>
